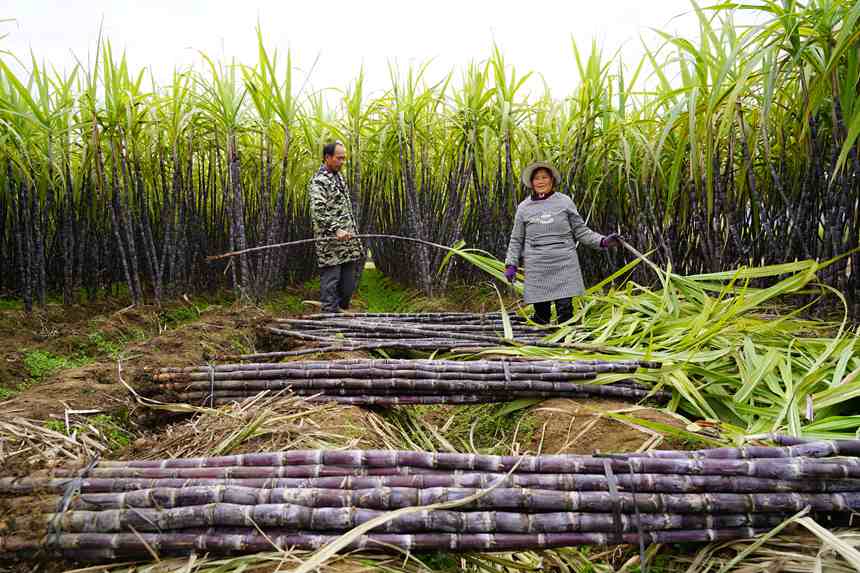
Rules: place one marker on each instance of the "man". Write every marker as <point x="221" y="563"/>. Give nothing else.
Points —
<point x="331" y="212"/>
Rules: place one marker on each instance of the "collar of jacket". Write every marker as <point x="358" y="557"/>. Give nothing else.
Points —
<point x="535" y="196"/>
<point x="324" y="170"/>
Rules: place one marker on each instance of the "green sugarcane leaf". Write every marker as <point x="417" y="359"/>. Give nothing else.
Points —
<point x="667" y="430"/>
<point x="515" y="406"/>
<point x="842" y="365"/>
<point x="765" y="367"/>
<point x="506" y="320"/>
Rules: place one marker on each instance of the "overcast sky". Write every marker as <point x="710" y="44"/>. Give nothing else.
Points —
<point x="533" y="34"/>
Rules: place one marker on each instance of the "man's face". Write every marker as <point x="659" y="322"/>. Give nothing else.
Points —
<point x="336" y="161"/>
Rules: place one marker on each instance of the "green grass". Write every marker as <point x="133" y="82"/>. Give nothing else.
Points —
<point x="6" y="393"/>
<point x="11" y="304"/>
<point x="286" y="303"/>
<point x="180" y="315"/>
<point x="112" y="345"/>
<point x="381" y="294"/>
<point x="40" y="364"/>
<point x="55" y="425"/>
<point x="113" y="428"/>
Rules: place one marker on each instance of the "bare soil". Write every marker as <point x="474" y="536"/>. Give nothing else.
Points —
<point x="569" y="426"/>
<point x="96" y="385"/>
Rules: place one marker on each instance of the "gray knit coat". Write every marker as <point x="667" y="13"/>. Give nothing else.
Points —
<point x="544" y="240"/>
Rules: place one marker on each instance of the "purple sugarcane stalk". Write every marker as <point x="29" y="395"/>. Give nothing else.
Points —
<point x="651" y="483"/>
<point x="109" y="547"/>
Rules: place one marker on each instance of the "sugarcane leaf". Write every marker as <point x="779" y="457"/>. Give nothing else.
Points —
<point x="842" y="365"/>
<point x="515" y="406"/>
<point x="762" y="539"/>
<point x="849" y="553"/>
<point x="763" y="368"/>
<point x="506" y="320"/>
<point x="666" y="429"/>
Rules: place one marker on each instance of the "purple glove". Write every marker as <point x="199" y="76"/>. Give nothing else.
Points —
<point x="611" y="240"/>
<point x="510" y="273"/>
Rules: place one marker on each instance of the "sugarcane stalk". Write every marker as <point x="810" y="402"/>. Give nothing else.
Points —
<point x="494" y="327"/>
<point x="418" y="376"/>
<point x="293" y="471"/>
<point x="817" y="449"/>
<point x="653" y="483"/>
<point x="520" y="499"/>
<point x="777" y="468"/>
<point x="415" y="316"/>
<point x="419" y="385"/>
<point x="401" y="342"/>
<point x="381" y="327"/>
<point x="341" y="519"/>
<point x="384" y="388"/>
<point x="347" y="346"/>
<point x="380" y="497"/>
<point x="110" y="547"/>
<point x="485" y="366"/>
<point x="386" y="401"/>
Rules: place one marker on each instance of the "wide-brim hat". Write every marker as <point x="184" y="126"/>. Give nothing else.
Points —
<point x="528" y="171"/>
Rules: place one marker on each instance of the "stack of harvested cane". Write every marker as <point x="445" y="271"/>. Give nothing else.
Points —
<point x="304" y="499"/>
<point x="388" y="382"/>
<point x="424" y="331"/>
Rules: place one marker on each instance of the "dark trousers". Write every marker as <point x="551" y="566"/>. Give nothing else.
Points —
<point x="543" y="310"/>
<point x="337" y="283"/>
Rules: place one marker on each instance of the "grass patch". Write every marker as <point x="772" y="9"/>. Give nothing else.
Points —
<point x="382" y="294"/>
<point x="40" y="364"/>
<point x="11" y="304"/>
<point x="56" y="426"/>
<point x="6" y="393"/>
<point x="180" y="315"/>
<point x="112" y="427"/>
<point x="286" y="303"/>
<point x="106" y="344"/>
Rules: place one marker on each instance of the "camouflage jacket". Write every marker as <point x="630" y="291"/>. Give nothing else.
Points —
<point x="331" y="209"/>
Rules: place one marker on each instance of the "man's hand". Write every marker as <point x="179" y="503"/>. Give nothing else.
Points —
<point x="610" y="241"/>
<point x="342" y="235"/>
<point x="510" y="273"/>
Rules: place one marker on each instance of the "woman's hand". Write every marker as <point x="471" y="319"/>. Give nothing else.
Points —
<point x="611" y="241"/>
<point x="342" y="235"/>
<point x="510" y="273"/>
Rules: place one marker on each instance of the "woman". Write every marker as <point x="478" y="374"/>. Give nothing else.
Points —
<point x="546" y="227"/>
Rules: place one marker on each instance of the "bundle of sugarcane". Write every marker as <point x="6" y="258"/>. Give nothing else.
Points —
<point x="388" y="382"/>
<point x="246" y="503"/>
<point x="418" y="331"/>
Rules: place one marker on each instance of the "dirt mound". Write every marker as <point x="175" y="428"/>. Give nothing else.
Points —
<point x="96" y="385"/>
<point x="566" y="426"/>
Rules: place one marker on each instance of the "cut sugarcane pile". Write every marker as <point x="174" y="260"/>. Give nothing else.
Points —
<point x="423" y="331"/>
<point x="304" y="499"/>
<point x="389" y="382"/>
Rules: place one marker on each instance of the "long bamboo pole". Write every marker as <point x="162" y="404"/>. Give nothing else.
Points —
<point x="323" y="239"/>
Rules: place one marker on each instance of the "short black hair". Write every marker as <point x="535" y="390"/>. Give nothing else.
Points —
<point x="329" y="148"/>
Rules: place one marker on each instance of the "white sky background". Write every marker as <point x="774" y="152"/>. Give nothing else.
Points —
<point x="533" y="35"/>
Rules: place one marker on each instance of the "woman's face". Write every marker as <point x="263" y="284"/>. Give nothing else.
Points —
<point x="542" y="181"/>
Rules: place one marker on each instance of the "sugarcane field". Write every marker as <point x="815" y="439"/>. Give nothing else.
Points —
<point x="481" y="287"/>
